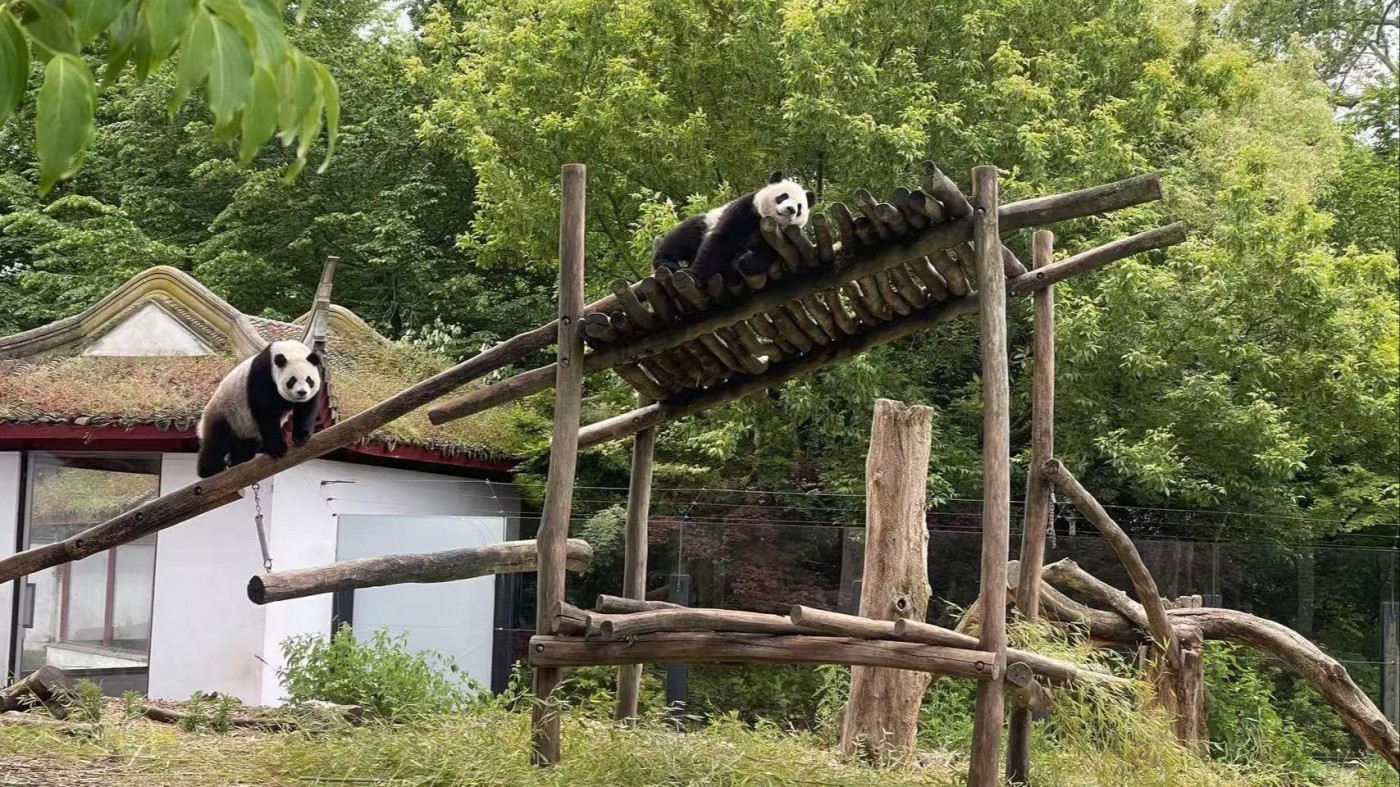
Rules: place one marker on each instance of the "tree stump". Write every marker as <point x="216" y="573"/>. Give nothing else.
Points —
<point x="883" y="713"/>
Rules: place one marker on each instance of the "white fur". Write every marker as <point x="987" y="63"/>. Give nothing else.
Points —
<point x="230" y="399"/>
<point x="298" y="379"/>
<point x="792" y="210"/>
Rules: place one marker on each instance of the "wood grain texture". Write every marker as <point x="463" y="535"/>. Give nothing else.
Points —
<point x="1039" y="496"/>
<point x="736" y="648"/>
<point x="510" y="557"/>
<point x="984" y="769"/>
<point x="563" y="457"/>
<point x="882" y="714"/>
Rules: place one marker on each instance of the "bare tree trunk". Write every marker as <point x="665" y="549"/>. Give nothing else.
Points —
<point x="883" y="715"/>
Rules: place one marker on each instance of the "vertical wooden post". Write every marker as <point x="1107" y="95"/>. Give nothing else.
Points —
<point x="882" y="716"/>
<point x="1039" y="494"/>
<point x="984" y="770"/>
<point x="634" y="570"/>
<point x="563" y="455"/>
<point x="1306" y="589"/>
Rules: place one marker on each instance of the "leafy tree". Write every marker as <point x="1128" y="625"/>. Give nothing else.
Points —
<point x="1190" y="377"/>
<point x="255" y="83"/>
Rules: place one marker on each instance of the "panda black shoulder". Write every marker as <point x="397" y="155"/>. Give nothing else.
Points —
<point x="262" y="384"/>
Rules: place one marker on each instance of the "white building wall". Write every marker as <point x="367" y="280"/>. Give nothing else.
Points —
<point x="303" y="531"/>
<point x="9" y="535"/>
<point x="205" y="634"/>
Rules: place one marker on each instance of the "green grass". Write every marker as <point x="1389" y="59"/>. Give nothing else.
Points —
<point x="489" y="748"/>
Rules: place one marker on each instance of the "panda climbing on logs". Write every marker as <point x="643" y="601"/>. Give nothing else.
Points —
<point x="246" y="413"/>
<point x="711" y="241"/>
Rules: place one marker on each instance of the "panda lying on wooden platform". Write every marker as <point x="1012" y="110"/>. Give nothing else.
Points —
<point x="711" y="241"/>
<point x="246" y="413"/>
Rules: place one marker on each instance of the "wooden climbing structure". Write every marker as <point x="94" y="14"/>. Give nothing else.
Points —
<point x="862" y="278"/>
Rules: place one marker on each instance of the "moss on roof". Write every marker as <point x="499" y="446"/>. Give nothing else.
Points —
<point x="171" y="392"/>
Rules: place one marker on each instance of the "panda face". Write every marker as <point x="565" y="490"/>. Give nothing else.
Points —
<point x="784" y="201"/>
<point x="296" y="370"/>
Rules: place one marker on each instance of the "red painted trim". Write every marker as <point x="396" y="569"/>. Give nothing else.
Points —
<point x="413" y="453"/>
<point x="147" y="437"/>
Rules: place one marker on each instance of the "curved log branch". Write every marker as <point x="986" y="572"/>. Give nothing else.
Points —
<point x="1321" y="671"/>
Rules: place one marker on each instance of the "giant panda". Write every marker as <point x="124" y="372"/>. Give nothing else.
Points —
<point x="711" y="241"/>
<point x="246" y="412"/>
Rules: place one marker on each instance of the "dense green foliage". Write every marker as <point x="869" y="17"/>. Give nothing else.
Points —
<point x="254" y="82"/>
<point x="379" y="674"/>
<point x="1252" y="369"/>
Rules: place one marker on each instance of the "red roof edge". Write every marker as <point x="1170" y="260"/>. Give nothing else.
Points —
<point x="149" y="437"/>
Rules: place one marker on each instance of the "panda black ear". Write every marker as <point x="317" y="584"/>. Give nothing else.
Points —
<point x="775" y="177"/>
<point x="279" y="360"/>
<point x="314" y="359"/>
<point x="811" y="198"/>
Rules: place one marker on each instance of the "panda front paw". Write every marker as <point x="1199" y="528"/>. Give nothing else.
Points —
<point x="299" y="438"/>
<point x="276" y="450"/>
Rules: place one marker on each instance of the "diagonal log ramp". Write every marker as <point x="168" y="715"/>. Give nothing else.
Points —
<point x="865" y="264"/>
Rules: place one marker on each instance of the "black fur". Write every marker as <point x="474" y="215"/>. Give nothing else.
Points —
<point x="221" y="448"/>
<point x="711" y="249"/>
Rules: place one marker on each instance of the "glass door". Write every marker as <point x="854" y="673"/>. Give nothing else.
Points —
<point x="91" y="617"/>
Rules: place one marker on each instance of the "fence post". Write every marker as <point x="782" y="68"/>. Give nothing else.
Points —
<point x="1390" y="648"/>
<point x="678" y="675"/>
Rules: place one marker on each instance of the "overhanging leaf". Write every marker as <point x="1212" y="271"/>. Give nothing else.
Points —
<point x="271" y="47"/>
<point x="168" y="20"/>
<point x="122" y="37"/>
<point x="260" y="114"/>
<point x="14" y="64"/>
<point x="195" y="55"/>
<point x="64" y="126"/>
<point x="91" y="17"/>
<point x="299" y="88"/>
<point x="50" y="28"/>
<point x="330" y="92"/>
<point x="230" y="72"/>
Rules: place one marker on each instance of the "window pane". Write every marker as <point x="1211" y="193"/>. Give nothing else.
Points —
<point x="91" y="617"/>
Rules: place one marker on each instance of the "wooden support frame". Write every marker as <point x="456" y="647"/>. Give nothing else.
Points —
<point x="984" y="770"/>
<point x="1039" y="495"/>
<point x="727" y="647"/>
<point x="693" y="402"/>
<point x="207" y="494"/>
<point x="450" y="565"/>
<point x="1015" y="216"/>
<point x="1143" y="583"/>
<point x="1321" y="671"/>
<point x="634" y="571"/>
<point x="563" y="459"/>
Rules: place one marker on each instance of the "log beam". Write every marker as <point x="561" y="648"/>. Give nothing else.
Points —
<point x="689" y="403"/>
<point x="736" y="648"/>
<point x="1143" y="583"/>
<point x="510" y="557"/>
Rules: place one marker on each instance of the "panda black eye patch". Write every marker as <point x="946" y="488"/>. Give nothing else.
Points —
<point x="291" y="383"/>
<point x="781" y="199"/>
